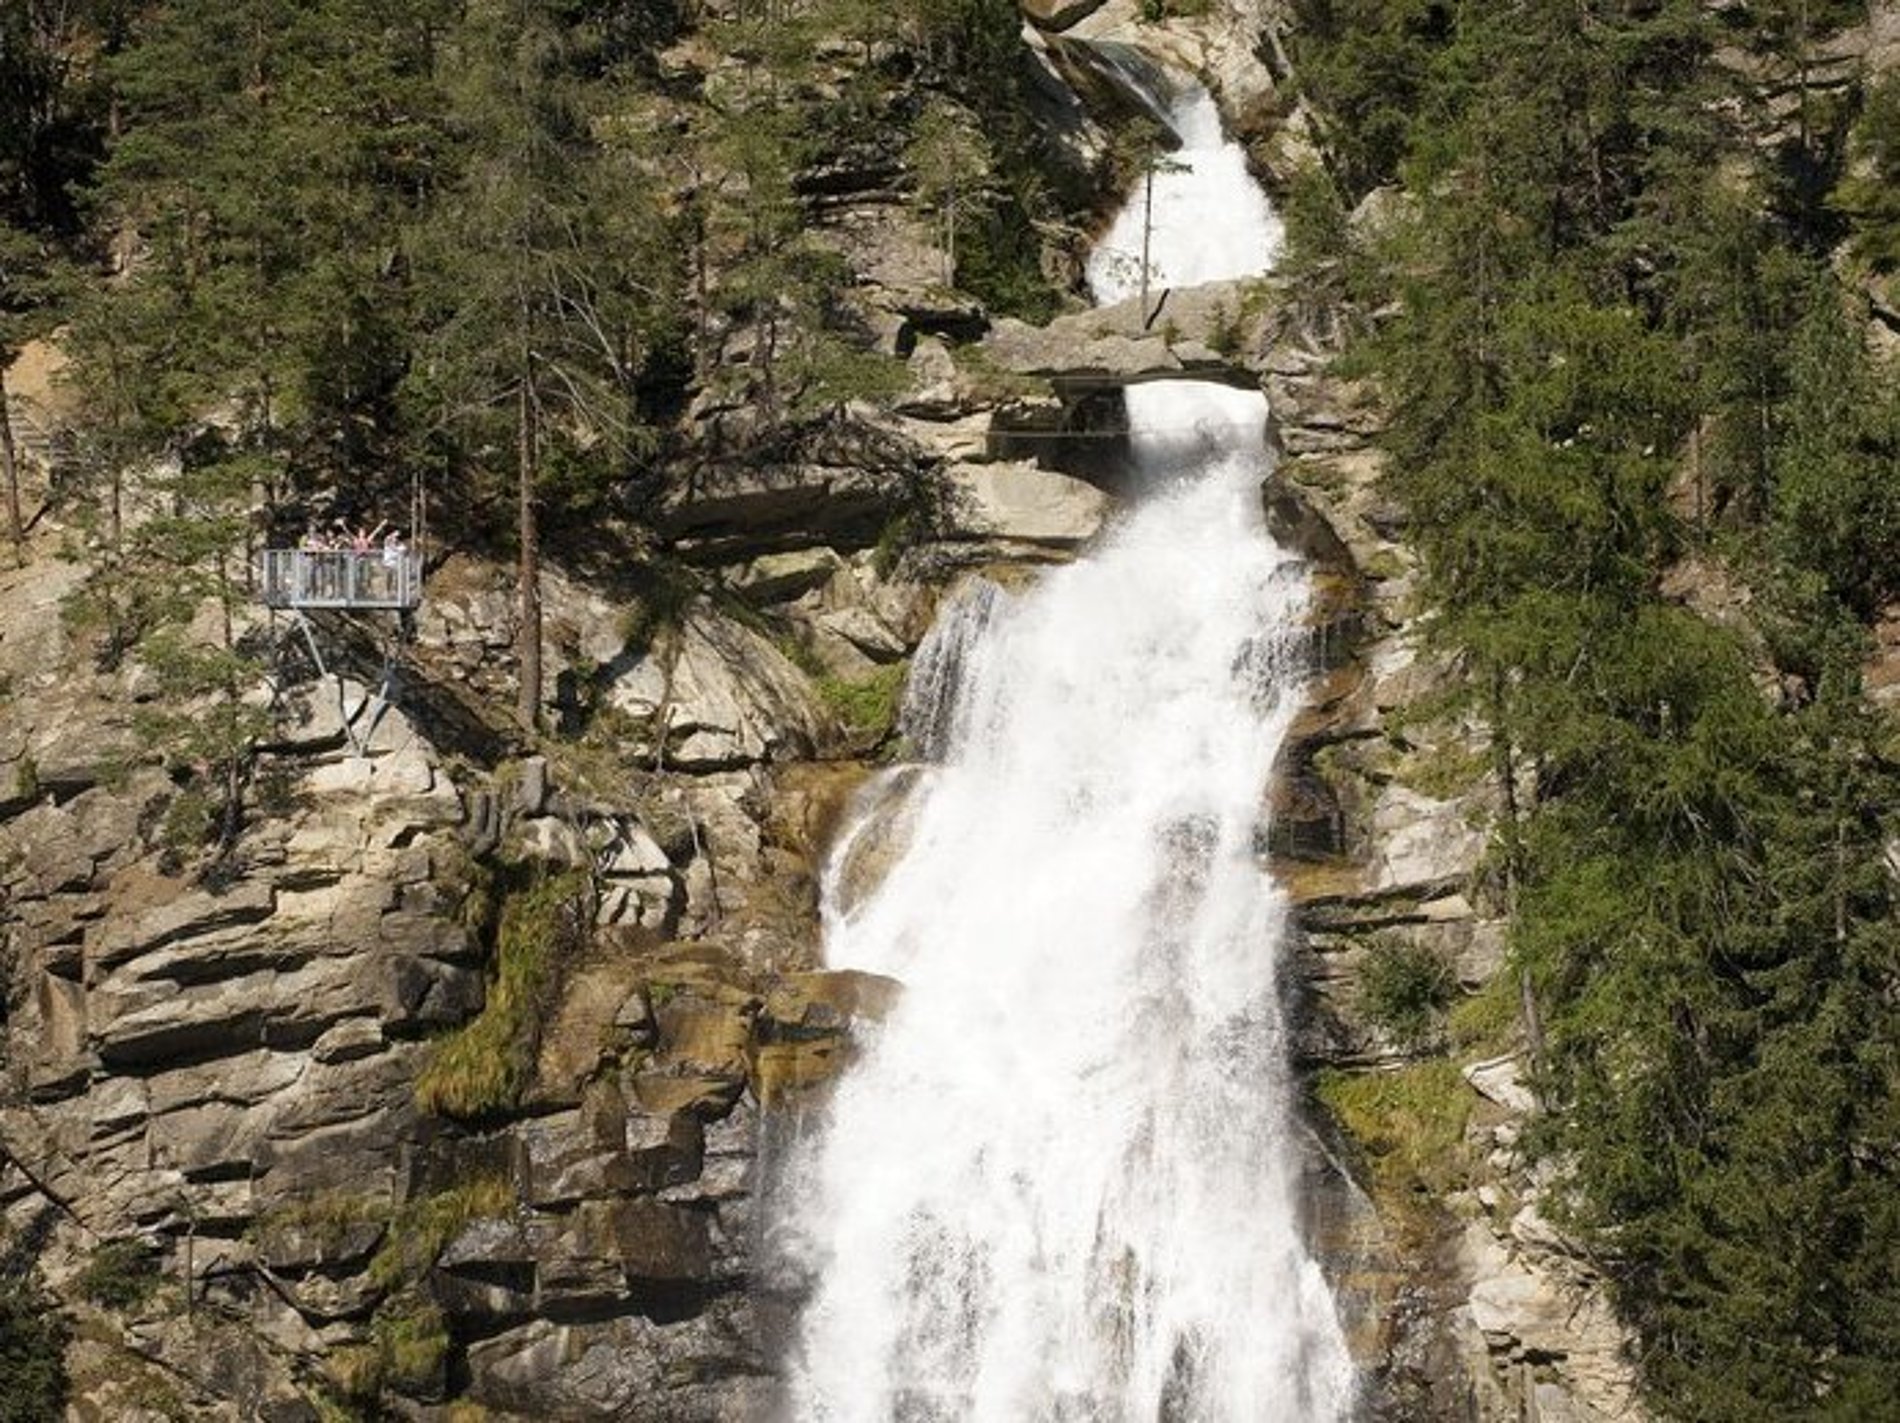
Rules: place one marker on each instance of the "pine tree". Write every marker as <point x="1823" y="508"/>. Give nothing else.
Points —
<point x="949" y="163"/>
<point x="187" y="563"/>
<point x="547" y="285"/>
<point x="49" y="134"/>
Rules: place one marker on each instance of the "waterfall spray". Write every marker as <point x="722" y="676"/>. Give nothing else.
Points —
<point x="1059" y="1182"/>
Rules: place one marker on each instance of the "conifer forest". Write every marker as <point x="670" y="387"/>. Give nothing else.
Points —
<point x="1115" y="710"/>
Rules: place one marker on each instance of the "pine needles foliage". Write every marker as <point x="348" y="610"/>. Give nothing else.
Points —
<point x="1614" y="345"/>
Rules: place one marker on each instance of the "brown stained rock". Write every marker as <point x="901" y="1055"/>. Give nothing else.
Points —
<point x="780" y="1072"/>
<point x="591" y="1026"/>
<point x="706" y="968"/>
<point x="825" y="1001"/>
<point x="704" y="1034"/>
<point x="653" y="1240"/>
<point x="802" y="1035"/>
<point x="666" y="1093"/>
<point x="882" y="834"/>
<point x="1309" y="884"/>
<point x="1304" y="820"/>
<point x="1334" y="709"/>
<point x="808" y="803"/>
<point x="1335" y="617"/>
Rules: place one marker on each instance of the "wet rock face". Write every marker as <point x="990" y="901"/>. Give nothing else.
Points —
<point x="618" y="1279"/>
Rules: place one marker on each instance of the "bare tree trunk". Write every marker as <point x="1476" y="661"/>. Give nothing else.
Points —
<point x="10" y="466"/>
<point x="528" y="631"/>
<point x="231" y="820"/>
<point x="1147" y="233"/>
<point x="702" y="297"/>
<point x="1504" y="768"/>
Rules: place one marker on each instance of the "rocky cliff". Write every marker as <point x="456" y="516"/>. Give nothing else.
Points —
<point x="444" y="1089"/>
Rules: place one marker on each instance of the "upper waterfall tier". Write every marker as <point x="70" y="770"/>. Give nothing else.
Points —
<point x="1208" y="222"/>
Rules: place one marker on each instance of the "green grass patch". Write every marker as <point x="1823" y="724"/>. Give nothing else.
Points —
<point x="412" y="1344"/>
<point x="1410" y="1125"/>
<point x="325" y="1219"/>
<point x="1404" y="990"/>
<point x="1486" y="1022"/>
<point x="407" y="1349"/>
<point x="1448" y="771"/>
<point x="1382" y="565"/>
<point x="485" y="1065"/>
<point x="421" y="1228"/>
<point x="868" y="706"/>
<point x="798" y="651"/>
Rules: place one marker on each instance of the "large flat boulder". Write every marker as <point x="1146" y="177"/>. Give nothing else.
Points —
<point x="713" y="694"/>
<point x="1211" y="332"/>
<point x="1024" y="504"/>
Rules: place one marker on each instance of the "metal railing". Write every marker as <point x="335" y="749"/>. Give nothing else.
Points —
<point x="340" y="578"/>
<point x="38" y="438"/>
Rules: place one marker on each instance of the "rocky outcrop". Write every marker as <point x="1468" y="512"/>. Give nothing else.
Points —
<point x="627" y="1250"/>
<point x="1194" y="333"/>
<point x="225" y="1061"/>
<point x="221" y="1061"/>
<point x="1380" y="827"/>
<point x="186" y="1054"/>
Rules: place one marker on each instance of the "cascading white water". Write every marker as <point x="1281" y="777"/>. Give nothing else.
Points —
<point x="1057" y="1185"/>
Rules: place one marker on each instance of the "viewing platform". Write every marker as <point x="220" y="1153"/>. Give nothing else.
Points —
<point x="369" y="581"/>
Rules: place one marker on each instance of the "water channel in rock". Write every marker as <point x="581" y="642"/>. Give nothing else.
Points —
<point x="1059" y="1183"/>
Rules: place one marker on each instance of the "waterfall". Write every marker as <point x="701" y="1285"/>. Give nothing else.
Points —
<point x="1058" y="1184"/>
